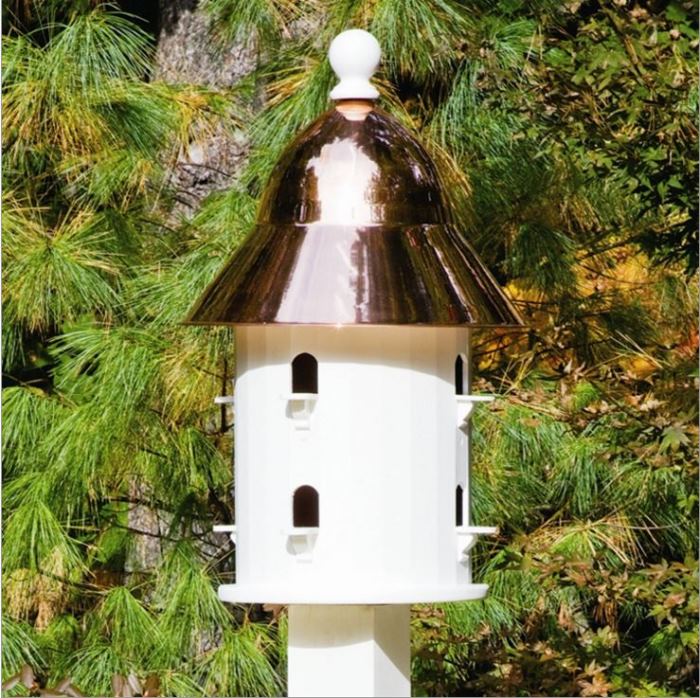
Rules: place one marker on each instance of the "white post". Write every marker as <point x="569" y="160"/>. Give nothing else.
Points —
<point x="349" y="651"/>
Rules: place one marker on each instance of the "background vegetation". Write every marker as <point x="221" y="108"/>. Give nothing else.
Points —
<point x="567" y="135"/>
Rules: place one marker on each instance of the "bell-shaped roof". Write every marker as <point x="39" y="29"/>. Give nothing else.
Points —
<point x="353" y="229"/>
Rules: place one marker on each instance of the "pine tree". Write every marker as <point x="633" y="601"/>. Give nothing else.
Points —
<point x="566" y="137"/>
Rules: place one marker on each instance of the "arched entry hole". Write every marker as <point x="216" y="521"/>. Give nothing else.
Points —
<point x="459" y="506"/>
<point x="304" y="374"/>
<point x="305" y="507"/>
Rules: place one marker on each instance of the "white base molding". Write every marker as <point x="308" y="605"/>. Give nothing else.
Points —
<point x="326" y="595"/>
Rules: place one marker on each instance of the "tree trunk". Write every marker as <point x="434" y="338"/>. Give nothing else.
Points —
<point x="189" y="51"/>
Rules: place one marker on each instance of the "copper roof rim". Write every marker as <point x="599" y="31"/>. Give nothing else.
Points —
<point x="346" y="325"/>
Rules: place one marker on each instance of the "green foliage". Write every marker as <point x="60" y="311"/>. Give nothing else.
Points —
<point x="418" y="37"/>
<point x="264" y="20"/>
<point x="108" y="411"/>
<point x="241" y="665"/>
<point x="19" y="646"/>
<point x="566" y="136"/>
<point x="121" y="639"/>
<point x="73" y="257"/>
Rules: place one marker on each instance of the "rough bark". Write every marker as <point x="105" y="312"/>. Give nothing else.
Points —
<point x="189" y="51"/>
<point x="146" y="550"/>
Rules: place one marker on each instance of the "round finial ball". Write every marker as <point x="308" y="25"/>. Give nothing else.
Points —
<point x="354" y="56"/>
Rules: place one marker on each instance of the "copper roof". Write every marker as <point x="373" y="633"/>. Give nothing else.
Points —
<point x="352" y="229"/>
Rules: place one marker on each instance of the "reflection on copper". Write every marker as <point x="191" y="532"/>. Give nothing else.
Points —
<point x="372" y="170"/>
<point x="352" y="230"/>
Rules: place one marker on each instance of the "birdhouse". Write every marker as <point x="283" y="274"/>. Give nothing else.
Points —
<point x="353" y="301"/>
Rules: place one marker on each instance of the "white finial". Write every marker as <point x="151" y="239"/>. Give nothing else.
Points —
<point x="354" y="56"/>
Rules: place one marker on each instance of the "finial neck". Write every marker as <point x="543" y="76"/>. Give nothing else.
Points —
<point x="354" y="109"/>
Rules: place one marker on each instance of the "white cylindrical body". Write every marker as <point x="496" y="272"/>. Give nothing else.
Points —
<point x="382" y="446"/>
